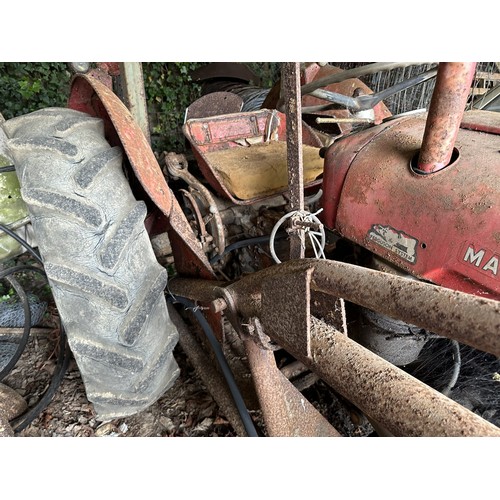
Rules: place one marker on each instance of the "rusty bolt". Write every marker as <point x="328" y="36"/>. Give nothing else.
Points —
<point x="218" y="305"/>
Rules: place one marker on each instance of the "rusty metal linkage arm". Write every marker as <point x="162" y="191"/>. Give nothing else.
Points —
<point x="471" y="320"/>
<point x="281" y="297"/>
<point x="399" y="402"/>
<point x="286" y="412"/>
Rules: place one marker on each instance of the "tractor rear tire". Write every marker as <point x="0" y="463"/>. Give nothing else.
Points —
<point x="106" y="282"/>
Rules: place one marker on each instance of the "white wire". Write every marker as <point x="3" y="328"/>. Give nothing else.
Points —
<point x="318" y="244"/>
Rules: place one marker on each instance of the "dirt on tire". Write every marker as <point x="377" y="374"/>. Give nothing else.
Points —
<point x="106" y="282"/>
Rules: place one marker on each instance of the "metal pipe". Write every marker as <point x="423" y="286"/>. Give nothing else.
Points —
<point x="460" y="316"/>
<point x="210" y="376"/>
<point x="399" y="402"/>
<point x="291" y="93"/>
<point x="320" y="120"/>
<point x="446" y="110"/>
<point x="471" y="320"/>
<point x="287" y="413"/>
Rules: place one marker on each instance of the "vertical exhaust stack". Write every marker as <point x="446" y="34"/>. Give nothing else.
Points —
<point x="445" y="115"/>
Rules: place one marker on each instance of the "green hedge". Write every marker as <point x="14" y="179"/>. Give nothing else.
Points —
<point x="169" y="91"/>
<point x="26" y="87"/>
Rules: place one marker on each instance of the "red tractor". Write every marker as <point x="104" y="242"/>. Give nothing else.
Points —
<point x="319" y="227"/>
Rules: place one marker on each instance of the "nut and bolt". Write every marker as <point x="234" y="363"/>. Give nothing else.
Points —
<point x="218" y="305"/>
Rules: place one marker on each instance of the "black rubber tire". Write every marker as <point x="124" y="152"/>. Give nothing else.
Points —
<point x="106" y="282"/>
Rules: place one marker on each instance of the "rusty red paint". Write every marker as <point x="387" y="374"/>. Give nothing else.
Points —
<point x="445" y="115"/>
<point x="448" y="221"/>
<point x="91" y="96"/>
<point x="220" y="132"/>
<point x="338" y="159"/>
<point x="482" y="121"/>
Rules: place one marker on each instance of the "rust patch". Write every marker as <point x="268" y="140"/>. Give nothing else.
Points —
<point x="481" y="206"/>
<point x="357" y="193"/>
<point x="445" y="115"/>
<point x="93" y="97"/>
<point x="447" y="202"/>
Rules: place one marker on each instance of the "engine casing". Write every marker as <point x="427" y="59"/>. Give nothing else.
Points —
<point x="442" y="227"/>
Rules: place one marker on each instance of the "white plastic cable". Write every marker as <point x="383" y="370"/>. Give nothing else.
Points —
<point x="317" y="238"/>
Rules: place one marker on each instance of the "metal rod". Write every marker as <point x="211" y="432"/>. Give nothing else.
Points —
<point x="212" y="379"/>
<point x="343" y="120"/>
<point x="287" y="413"/>
<point x="294" y="369"/>
<point x="291" y="93"/>
<point x="471" y="320"/>
<point x="369" y="101"/>
<point x="368" y="69"/>
<point x="399" y="402"/>
<point x="351" y="103"/>
<point x="446" y="110"/>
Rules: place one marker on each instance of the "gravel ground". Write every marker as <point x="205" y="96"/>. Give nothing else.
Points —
<point x="186" y="410"/>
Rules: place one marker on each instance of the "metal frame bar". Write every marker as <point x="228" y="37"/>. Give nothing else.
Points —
<point x="400" y="403"/>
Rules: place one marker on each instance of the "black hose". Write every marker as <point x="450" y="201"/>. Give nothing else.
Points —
<point x="5" y="274"/>
<point x="27" y="323"/>
<point x="24" y="243"/>
<point x="63" y="360"/>
<point x="237" y="397"/>
<point x="64" y="355"/>
<point x="257" y="240"/>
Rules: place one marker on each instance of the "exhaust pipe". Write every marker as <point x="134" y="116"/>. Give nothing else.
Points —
<point x="446" y="110"/>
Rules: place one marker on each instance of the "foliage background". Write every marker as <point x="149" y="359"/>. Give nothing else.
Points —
<point x="27" y="87"/>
